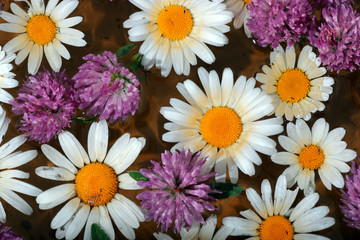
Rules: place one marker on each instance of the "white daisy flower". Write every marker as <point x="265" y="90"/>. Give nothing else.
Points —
<point x="8" y="160"/>
<point x="204" y="232"/>
<point x="240" y="10"/>
<point x="95" y="191"/>
<point x="42" y="29"/>
<point x="222" y="123"/>
<point x="296" y="91"/>
<point x="315" y="149"/>
<point x="175" y="32"/>
<point x="6" y="76"/>
<point x="277" y="220"/>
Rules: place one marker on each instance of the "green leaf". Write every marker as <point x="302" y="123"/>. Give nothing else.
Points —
<point x="84" y="120"/>
<point x="227" y="190"/>
<point x="97" y="233"/>
<point x="137" y="57"/>
<point x="134" y="66"/>
<point x="124" y="50"/>
<point x="138" y="176"/>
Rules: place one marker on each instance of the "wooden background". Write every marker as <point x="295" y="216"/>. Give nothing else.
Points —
<point x="103" y="30"/>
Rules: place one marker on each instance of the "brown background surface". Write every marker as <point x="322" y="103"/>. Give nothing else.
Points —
<point x="103" y="30"/>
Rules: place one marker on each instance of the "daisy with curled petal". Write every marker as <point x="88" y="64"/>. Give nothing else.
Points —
<point x="296" y="91"/>
<point x="6" y="76"/>
<point x="95" y="193"/>
<point x="240" y="10"/>
<point x="42" y="30"/>
<point x="8" y="160"/>
<point x="277" y="220"/>
<point x="222" y="123"/>
<point x="175" y="32"/>
<point x="197" y="231"/>
<point x="315" y="149"/>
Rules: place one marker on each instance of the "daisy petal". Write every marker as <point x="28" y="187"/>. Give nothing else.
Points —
<point x="78" y="222"/>
<point x="15" y="201"/>
<point x="73" y="149"/>
<point x="55" y="196"/>
<point x="256" y="202"/>
<point x="66" y="212"/>
<point x="98" y="141"/>
<point x="57" y="158"/>
<point x="304" y="205"/>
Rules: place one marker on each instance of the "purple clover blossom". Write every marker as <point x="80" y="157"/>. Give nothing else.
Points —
<point x="275" y="21"/>
<point x="324" y="3"/>
<point x="337" y="38"/>
<point x="7" y="234"/>
<point x="46" y="101"/>
<point x="177" y="190"/>
<point x="351" y="197"/>
<point x="106" y="88"/>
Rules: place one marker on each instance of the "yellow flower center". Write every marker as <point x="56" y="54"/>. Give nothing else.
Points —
<point x="247" y="1"/>
<point x="276" y="228"/>
<point x="311" y="157"/>
<point x="96" y="184"/>
<point x="175" y="22"/>
<point x="41" y="29"/>
<point x="293" y="86"/>
<point x="220" y="127"/>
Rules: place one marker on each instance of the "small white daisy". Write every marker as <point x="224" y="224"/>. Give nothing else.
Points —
<point x="222" y="123"/>
<point x="9" y="160"/>
<point x="42" y="29"/>
<point x="6" y="76"/>
<point x="95" y="191"/>
<point x="277" y="219"/>
<point x="296" y="91"/>
<point x="204" y="232"/>
<point x="240" y="10"/>
<point x="315" y="149"/>
<point x="175" y="32"/>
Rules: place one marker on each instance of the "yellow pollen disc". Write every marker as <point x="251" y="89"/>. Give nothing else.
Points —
<point x="311" y="157"/>
<point x="175" y="22"/>
<point x="41" y="29"/>
<point x="96" y="184"/>
<point x="276" y="228"/>
<point x="220" y="127"/>
<point x="247" y="1"/>
<point x="293" y="86"/>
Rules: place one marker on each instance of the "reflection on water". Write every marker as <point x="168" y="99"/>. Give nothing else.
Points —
<point x="103" y="30"/>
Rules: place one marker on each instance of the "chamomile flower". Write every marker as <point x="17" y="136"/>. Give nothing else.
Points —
<point x="42" y="30"/>
<point x="296" y="91"/>
<point x="315" y="149"/>
<point x="6" y="76"/>
<point x="95" y="191"/>
<point x="222" y="123"/>
<point x="198" y="231"/>
<point x="275" y="219"/>
<point x="175" y="32"/>
<point x="240" y="10"/>
<point x="8" y="160"/>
